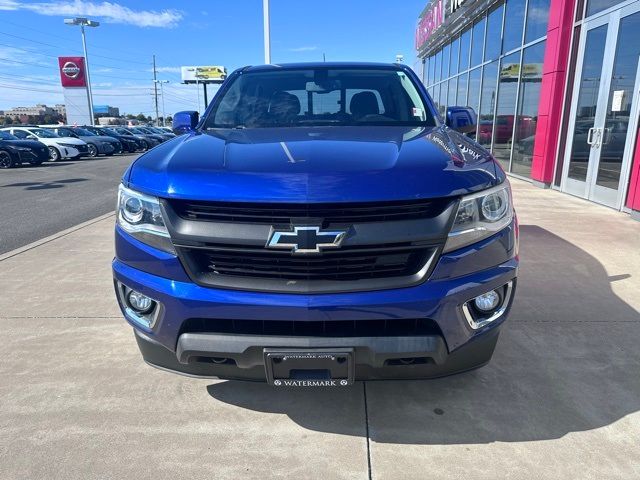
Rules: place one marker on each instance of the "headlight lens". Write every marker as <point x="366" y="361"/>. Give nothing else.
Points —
<point x="480" y="215"/>
<point x="140" y="216"/>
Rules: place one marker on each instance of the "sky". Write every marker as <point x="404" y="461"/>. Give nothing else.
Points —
<point x="191" y="32"/>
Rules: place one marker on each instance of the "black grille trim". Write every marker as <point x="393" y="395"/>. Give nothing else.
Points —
<point x="399" y="327"/>
<point x="210" y="265"/>
<point x="331" y="213"/>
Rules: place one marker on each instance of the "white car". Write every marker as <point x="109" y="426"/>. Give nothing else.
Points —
<point x="59" y="147"/>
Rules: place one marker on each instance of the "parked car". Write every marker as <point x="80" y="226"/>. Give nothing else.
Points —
<point x="366" y="239"/>
<point x="14" y="151"/>
<point x="97" y="145"/>
<point x="144" y="141"/>
<point x="160" y="131"/>
<point x="143" y="131"/>
<point x="129" y="144"/>
<point x="59" y="147"/>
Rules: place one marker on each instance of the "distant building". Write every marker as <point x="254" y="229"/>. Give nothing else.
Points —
<point x="35" y="111"/>
<point x="106" y="111"/>
<point x="61" y="109"/>
<point x="110" y="121"/>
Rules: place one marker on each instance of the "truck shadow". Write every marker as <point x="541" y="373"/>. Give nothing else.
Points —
<point x="567" y="361"/>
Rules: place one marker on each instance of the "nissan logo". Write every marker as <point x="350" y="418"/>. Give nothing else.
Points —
<point x="71" y="70"/>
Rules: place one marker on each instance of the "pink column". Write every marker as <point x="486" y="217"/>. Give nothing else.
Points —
<point x="633" y="197"/>
<point x="554" y="74"/>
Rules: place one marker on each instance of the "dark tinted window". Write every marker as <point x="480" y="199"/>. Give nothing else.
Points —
<point x="321" y="96"/>
<point x="7" y="136"/>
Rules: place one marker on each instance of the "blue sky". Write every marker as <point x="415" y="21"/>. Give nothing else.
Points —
<point x="194" y="32"/>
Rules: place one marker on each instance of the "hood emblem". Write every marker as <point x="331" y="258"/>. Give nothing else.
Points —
<point x="305" y="239"/>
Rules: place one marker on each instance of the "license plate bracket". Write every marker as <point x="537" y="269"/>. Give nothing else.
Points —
<point x="309" y="367"/>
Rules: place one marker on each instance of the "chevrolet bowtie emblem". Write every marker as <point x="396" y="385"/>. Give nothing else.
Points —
<point x="305" y="239"/>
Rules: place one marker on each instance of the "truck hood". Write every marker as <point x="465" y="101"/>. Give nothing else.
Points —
<point x="315" y="164"/>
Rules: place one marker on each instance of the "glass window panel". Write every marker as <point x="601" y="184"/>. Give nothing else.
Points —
<point x="494" y="34"/>
<point x="528" y="102"/>
<point x="512" y="36"/>
<point x="446" y="52"/>
<point x="432" y="70"/>
<point x="455" y="54"/>
<point x="473" y="99"/>
<point x="443" y="97"/>
<point x="453" y="92"/>
<point x="436" y="96"/>
<point x="477" y="46"/>
<point x="506" y="108"/>
<point x="587" y="102"/>
<point x="438" y="71"/>
<point x="537" y="19"/>
<point x="465" y="47"/>
<point x="487" y="103"/>
<point x="425" y="71"/>
<point x="595" y="6"/>
<point x="462" y="90"/>
<point x="616" y="122"/>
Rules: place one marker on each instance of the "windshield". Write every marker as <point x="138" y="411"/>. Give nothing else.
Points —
<point x="322" y="96"/>
<point x="122" y="131"/>
<point x="107" y="131"/>
<point x="42" y="133"/>
<point x="139" y="130"/>
<point x="7" y="136"/>
<point x="83" y="132"/>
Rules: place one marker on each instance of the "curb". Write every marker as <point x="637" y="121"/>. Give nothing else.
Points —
<point x="55" y="236"/>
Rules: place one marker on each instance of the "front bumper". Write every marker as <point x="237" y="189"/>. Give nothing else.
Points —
<point x="454" y="347"/>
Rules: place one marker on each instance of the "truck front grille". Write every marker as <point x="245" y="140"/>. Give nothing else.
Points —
<point x="275" y="213"/>
<point x="207" y="265"/>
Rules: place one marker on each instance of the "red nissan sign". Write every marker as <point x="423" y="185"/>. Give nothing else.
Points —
<point x="72" y="73"/>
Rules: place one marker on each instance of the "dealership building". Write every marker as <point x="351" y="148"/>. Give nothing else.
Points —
<point x="555" y="83"/>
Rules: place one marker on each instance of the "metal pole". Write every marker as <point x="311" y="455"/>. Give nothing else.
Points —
<point x="267" y="32"/>
<point x="206" y="97"/>
<point x="155" y="89"/>
<point x="198" y="92"/>
<point x="87" y="76"/>
<point x="164" y="117"/>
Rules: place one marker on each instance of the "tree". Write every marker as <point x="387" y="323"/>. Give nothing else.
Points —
<point x="140" y="117"/>
<point x="7" y="121"/>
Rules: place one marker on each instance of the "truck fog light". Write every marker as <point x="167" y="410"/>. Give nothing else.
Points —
<point x="487" y="301"/>
<point x="139" y="302"/>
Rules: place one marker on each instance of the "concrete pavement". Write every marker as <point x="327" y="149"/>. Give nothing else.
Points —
<point x="561" y="398"/>
<point x="40" y="201"/>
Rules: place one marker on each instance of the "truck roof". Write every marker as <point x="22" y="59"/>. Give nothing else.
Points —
<point x="302" y="65"/>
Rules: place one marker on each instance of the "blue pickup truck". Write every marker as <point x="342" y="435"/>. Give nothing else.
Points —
<point x="320" y="224"/>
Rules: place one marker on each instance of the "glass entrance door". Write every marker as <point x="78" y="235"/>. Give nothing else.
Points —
<point x="604" y="109"/>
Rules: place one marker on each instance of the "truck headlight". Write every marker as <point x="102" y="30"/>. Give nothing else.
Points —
<point x="480" y="215"/>
<point x="141" y="217"/>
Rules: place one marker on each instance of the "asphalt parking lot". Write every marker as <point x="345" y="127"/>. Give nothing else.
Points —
<point x="561" y="398"/>
<point x="40" y="201"/>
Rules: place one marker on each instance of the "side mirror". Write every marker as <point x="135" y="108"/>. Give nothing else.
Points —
<point x="184" y="122"/>
<point x="461" y="119"/>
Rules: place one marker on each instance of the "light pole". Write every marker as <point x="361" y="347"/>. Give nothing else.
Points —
<point x="164" y="117"/>
<point x="85" y="22"/>
<point x="267" y="32"/>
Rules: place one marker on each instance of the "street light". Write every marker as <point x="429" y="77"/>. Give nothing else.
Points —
<point x="85" y="22"/>
<point x="164" y="117"/>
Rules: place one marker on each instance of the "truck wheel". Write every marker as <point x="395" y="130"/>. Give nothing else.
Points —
<point x="93" y="151"/>
<point x="54" y="154"/>
<point x="5" y="160"/>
